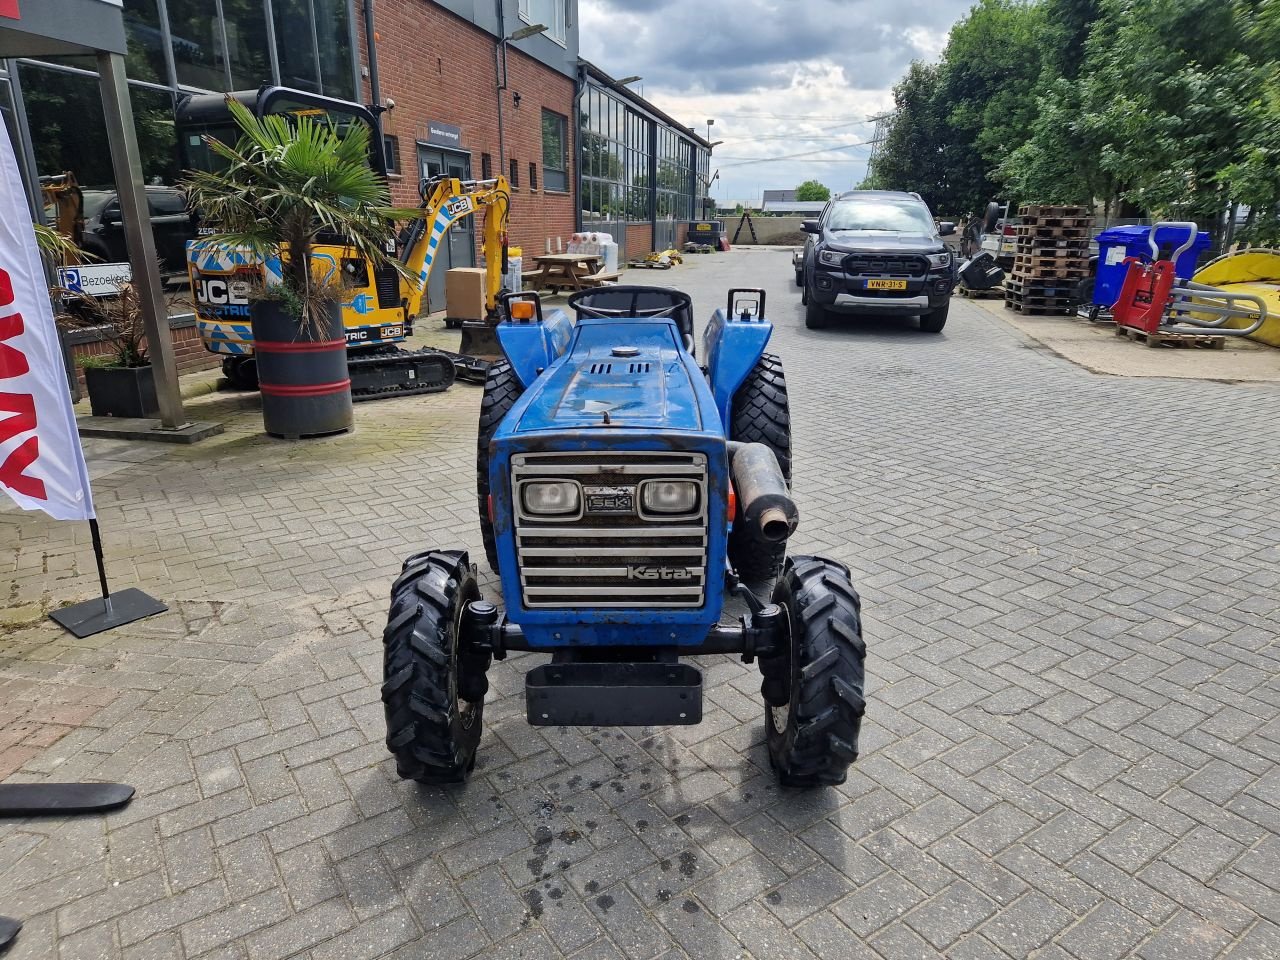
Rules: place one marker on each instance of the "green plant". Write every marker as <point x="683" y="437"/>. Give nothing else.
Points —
<point x="285" y="182"/>
<point x="118" y="320"/>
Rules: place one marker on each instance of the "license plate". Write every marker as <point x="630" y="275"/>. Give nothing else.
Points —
<point x="390" y="333"/>
<point x="886" y="284"/>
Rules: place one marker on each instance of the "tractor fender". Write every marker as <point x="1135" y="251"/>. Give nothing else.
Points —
<point x="731" y="346"/>
<point x="531" y="347"/>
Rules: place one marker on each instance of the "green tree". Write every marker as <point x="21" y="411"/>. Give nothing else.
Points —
<point x="812" y="190"/>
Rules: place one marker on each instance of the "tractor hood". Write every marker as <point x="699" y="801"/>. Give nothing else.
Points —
<point x="619" y="374"/>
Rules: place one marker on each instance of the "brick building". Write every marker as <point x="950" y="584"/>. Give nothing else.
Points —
<point x="441" y="64"/>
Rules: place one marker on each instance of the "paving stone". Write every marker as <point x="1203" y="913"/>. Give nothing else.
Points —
<point x="1072" y="746"/>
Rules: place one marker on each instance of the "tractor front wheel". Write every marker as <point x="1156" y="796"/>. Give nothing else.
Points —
<point x="502" y="388"/>
<point x="814" y="691"/>
<point x="432" y="691"/>
<point x="761" y="415"/>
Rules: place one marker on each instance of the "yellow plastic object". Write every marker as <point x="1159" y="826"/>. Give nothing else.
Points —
<point x="1249" y="271"/>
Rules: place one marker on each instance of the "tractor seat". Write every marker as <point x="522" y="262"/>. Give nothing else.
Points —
<point x="636" y="301"/>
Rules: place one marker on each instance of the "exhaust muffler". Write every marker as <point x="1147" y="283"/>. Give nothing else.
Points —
<point x="765" y="507"/>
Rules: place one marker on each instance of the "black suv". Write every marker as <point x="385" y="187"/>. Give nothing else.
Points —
<point x="877" y="252"/>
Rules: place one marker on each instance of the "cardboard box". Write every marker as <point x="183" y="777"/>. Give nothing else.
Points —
<point x="464" y="293"/>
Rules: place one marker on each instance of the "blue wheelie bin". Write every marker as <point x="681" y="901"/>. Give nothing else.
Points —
<point x="1120" y="242"/>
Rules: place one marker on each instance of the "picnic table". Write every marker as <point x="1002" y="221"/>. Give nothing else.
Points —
<point x="570" y="271"/>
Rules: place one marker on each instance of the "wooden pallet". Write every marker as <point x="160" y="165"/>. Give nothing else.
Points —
<point x="1066" y="260"/>
<point x="1025" y="287"/>
<point x="1037" y="232"/>
<point x="990" y="294"/>
<point x="1048" y="273"/>
<point x="1049" y="210"/>
<point x="1050" y="248"/>
<point x="1036" y="310"/>
<point x="1207" y="341"/>
<point x="1053" y="223"/>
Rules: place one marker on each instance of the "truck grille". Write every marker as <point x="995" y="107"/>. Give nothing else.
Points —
<point x="886" y="265"/>
<point x="606" y="559"/>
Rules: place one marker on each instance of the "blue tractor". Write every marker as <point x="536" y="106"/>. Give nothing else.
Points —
<point x="625" y="492"/>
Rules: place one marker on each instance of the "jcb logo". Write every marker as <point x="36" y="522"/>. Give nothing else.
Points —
<point x="457" y="208"/>
<point x="665" y="574"/>
<point x="218" y="292"/>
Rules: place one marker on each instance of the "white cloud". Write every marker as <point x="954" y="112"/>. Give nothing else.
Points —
<point x="779" y="78"/>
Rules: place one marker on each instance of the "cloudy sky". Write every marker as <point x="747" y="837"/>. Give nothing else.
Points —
<point x="779" y="77"/>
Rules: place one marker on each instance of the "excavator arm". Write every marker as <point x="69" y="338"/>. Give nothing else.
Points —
<point x="445" y="201"/>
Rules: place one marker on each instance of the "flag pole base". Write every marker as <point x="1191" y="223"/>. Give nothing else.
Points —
<point x="94" y="616"/>
<point x="8" y="930"/>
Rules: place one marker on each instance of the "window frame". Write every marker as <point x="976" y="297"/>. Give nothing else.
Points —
<point x="558" y="30"/>
<point x="562" y="171"/>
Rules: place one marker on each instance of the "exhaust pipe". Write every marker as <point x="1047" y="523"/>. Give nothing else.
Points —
<point x="764" y="503"/>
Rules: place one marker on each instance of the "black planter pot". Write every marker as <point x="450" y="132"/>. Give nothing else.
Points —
<point x="302" y="374"/>
<point x="122" y="391"/>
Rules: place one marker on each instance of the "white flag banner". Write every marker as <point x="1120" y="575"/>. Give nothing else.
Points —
<point x="41" y="464"/>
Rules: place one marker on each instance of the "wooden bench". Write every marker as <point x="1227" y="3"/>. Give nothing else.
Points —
<point x="531" y="276"/>
<point x="601" y="278"/>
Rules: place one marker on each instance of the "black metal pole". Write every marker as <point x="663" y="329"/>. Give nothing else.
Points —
<point x="102" y="566"/>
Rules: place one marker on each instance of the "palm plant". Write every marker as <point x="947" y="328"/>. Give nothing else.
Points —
<point x="287" y="181"/>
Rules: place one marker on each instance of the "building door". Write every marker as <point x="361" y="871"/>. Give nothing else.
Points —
<point x="460" y="251"/>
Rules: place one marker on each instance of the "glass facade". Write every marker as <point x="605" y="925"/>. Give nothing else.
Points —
<point x="200" y="46"/>
<point x="636" y="168"/>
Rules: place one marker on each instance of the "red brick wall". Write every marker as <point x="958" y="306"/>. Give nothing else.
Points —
<point x="188" y="351"/>
<point x="437" y="66"/>
<point x="639" y="239"/>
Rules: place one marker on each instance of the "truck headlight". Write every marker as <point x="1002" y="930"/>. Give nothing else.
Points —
<point x="939" y="260"/>
<point x="831" y="258"/>
<point x="669" y="496"/>
<point x="551" y="498"/>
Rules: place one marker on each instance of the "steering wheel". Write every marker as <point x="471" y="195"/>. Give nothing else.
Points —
<point x="580" y="302"/>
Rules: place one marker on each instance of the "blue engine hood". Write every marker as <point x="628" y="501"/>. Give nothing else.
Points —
<point x="655" y="389"/>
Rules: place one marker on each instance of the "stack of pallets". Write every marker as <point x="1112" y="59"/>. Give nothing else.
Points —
<point x="1051" y="258"/>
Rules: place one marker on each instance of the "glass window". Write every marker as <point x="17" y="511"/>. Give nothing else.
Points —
<point x="66" y="110"/>
<point x="295" y="40"/>
<point x="247" y="53"/>
<point x="555" y="152"/>
<point x="157" y="138"/>
<point x="166" y="203"/>
<point x="197" y="44"/>
<point x="145" y="59"/>
<point x="879" y="215"/>
<point x="391" y="149"/>
<point x="552" y="13"/>
<point x="333" y="33"/>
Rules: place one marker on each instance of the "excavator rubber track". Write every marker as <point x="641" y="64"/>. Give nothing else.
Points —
<point x="470" y="369"/>
<point x="391" y="373"/>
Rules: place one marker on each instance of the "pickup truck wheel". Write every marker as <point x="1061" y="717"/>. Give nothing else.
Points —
<point x="432" y="693"/>
<point x="501" y="391"/>
<point x="812" y="734"/>
<point x="799" y="278"/>
<point x="815" y="314"/>
<point x="761" y="415"/>
<point x="935" y="320"/>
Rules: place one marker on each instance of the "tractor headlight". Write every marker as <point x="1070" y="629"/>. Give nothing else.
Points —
<point x="831" y="258"/>
<point x="939" y="260"/>
<point x="551" y="498"/>
<point x="669" y="496"/>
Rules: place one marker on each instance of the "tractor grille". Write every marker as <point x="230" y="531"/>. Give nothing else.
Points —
<point x="605" y="558"/>
<point x="886" y="265"/>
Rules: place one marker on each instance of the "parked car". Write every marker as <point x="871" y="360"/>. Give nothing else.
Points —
<point x="172" y="224"/>
<point x="878" y="252"/>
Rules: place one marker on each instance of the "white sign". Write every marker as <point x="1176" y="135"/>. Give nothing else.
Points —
<point x="95" y="279"/>
<point x="41" y="463"/>
<point x="1116" y="255"/>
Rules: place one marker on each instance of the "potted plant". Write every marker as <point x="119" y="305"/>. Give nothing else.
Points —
<point x="121" y="382"/>
<point x="287" y="181"/>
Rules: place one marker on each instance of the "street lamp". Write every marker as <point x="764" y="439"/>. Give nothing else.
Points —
<point x="710" y="124"/>
<point x="625" y="80"/>
<point x="500" y="54"/>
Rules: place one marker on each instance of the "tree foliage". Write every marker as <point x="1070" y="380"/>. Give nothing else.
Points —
<point x="1171" y="107"/>
<point x="812" y="190"/>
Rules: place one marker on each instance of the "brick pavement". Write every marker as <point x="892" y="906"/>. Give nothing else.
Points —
<point x="1072" y="738"/>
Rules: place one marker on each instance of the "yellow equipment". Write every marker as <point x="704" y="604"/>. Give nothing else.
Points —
<point x="64" y="204"/>
<point x="1253" y="271"/>
<point x="382" y="304"/>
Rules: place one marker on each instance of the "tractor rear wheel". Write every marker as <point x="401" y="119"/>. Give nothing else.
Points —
<point x="761" y="415"/>
<point x="432" y="692"/>
<point x="814" y="692"/>
<point x="501" y="391"/>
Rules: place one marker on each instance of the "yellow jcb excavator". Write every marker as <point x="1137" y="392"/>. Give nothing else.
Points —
<point x="382" y="303"/>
